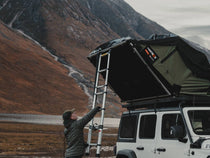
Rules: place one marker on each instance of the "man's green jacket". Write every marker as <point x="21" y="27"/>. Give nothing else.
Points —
<point x="74" y="134"/>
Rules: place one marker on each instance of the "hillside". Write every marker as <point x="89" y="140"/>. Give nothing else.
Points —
<point x="31" y="80"/>
<point x="70" y="29"/>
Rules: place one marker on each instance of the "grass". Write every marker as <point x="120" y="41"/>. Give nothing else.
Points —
<point x="42" y="140"/>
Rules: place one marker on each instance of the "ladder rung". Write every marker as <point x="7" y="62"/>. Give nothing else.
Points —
<point x="93" y="144"/>
<point x="104" y="54"/>
<point x="102" y="70"/>
<point x="100" y="93"/>
<point x="101" y="86"/>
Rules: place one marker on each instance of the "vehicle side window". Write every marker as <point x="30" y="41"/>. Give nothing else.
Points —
<point x="128" y="126"/>
<point x="147" y="126"/>
<point x="200" y="121"/>
<point x="169" y="120"/>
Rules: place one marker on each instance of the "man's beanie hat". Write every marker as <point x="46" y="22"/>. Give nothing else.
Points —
<point x="67" y="114"/>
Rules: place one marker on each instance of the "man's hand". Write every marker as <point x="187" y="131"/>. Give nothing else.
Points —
<point x="98" y="108"/>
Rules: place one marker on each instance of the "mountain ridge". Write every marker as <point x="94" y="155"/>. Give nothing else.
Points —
<point x="130" y="23"/>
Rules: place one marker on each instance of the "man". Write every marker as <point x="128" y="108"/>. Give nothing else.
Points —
<point x="74" y="132"/>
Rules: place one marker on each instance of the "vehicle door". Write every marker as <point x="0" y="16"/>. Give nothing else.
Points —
<point x="146" y="135"/>
<point x="166" y="145"/>
<point x="127" y="132"/>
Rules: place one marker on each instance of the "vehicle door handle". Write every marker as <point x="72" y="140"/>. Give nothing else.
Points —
<point x="140" y="148"/>
<point x="161" y="149"/>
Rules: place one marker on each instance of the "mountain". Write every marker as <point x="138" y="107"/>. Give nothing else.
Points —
<point x="123" y="19"/>
<point x="69" y="29"/>
<point x="31" y="80"/>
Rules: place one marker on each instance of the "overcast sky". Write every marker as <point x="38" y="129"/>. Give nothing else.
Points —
<point x="187" y="18"/>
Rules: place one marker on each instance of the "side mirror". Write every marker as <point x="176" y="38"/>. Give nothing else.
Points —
<point x="177" y="132"/>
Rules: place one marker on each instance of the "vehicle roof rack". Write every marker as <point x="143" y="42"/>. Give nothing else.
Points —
<point x="169" y="102"/>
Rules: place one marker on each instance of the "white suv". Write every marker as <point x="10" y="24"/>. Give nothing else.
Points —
<point x="167" y="128"/>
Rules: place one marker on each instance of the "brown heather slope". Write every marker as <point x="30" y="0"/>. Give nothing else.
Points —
<point x="73" y="32"/>
<point x="31" y="81"/>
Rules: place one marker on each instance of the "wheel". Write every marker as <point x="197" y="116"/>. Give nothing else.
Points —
<point x="121" y="156"/>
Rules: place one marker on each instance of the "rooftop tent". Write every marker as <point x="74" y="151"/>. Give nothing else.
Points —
<point x="143" y="69"/>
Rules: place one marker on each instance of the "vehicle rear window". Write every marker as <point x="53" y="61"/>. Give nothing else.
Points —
<point x="147" y="126"/>
<point x="128" y="126"/>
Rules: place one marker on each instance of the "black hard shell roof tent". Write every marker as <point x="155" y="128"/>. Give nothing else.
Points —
<point x="159" y="67"/>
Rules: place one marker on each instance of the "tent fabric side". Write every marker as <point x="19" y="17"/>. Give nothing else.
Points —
<point x="196" y="58"/>
<point x="172" y="67"/>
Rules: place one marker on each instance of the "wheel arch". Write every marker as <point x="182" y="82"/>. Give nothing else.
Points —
<point x="126" y="154"/>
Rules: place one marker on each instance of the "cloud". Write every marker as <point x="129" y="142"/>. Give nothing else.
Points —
<point x="188" y="18"/>
<point x="199" y="34"/>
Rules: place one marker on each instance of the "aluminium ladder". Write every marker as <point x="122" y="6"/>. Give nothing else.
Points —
<point x="103" y="93"/>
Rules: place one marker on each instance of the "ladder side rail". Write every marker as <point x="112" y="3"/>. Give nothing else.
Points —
<point x="103" y="107"/>
<point x="93" y="105"/>
<point x="96" y="82"/>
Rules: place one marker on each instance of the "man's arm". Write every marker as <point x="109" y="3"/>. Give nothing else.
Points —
<point x="85" y="119"/>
